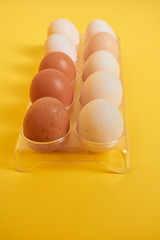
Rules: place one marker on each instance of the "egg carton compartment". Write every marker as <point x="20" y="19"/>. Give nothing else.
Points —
<point x="113" y="156"/>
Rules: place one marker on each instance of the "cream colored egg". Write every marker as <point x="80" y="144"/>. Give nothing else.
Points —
<point x="95" y="26"/>
<point x="101" y="85"/>
<point x="65" y="28"/>
<point x="101" y="60"/>
<point x="100" y="121"/>
<point x="59" y="43"/>
<point x="102" y="41"/>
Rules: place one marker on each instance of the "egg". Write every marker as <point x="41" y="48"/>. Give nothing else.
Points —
<point x="100" y="121"/>
<point x="102" y="41"/>
<point x="101" y="60"/>
<point x="46" y="120"/>
<point x="65" y="28"/>
<point x="95" y="26"/>
<point x="59" y="43"/>
<point x="51" y="83"/>
<point x="101" y="85"/>
<point x="61" y="62"/>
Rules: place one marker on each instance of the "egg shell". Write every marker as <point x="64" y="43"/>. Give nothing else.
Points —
<point x="101" y="60"/>
<point x="51" y="83"/>
<point x="102" y="41"/>
<point x="66" y="28"/>
<point x="95" y="26"/>
<point x="101" y="85"/>
<point x="59" y="43"/>
<point x="100" y="121"/>
<point x="46" y="120"/>
<point x="61" y="62"/>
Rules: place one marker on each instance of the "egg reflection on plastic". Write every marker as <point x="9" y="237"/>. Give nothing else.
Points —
<point x="66" y="28"/>
<point x="101" y="85"/>
<point x="59" y="43"/>
<point x="101" y="60"/>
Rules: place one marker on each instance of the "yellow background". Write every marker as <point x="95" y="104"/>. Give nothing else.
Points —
<point x="77" y="203"/>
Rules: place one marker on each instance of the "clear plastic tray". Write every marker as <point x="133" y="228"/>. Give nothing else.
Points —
<point x="112" y="156"/>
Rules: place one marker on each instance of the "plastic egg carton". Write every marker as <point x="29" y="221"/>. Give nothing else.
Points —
<point x="112" y="156"/>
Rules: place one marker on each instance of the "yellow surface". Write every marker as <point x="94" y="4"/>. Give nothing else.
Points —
<point x="77" y="203"/>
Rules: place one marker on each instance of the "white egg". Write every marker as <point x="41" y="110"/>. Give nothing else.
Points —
<point x="59" y="43"/>
<point x="66" y="28"/>
<point x="100" y="121"/>
<point x="101" y="85"/>
<point x="101" y="60"/>
<point x="95" y="26"/>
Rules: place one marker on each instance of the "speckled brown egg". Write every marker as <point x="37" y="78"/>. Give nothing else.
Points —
<point x="46" y="120"/>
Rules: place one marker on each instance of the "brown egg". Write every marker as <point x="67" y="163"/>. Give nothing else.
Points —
<point x="102" y="41"/>
<point x="51" y="83"/>
<point x="61" y="62"/>
<point x="46" y="120"/>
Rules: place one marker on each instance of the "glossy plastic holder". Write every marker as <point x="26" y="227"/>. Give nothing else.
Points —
<point x="72" y="149"/>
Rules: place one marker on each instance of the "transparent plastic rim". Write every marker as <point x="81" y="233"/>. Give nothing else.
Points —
<point x="59" y="140"/>
<point x="68" y="107"/>
<point x="75" y="62"/>
<point x="79" y="103"/>
<point x="74" y="81"/>
<point x="97" y="144"/>
<point x="82" y="81"/>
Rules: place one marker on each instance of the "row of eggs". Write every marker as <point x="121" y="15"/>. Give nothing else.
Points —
<point x="63" y="36"/>
<point x="57" y="72"/>
<point x="100" y="60"/>
<point x="51" y="90"/>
